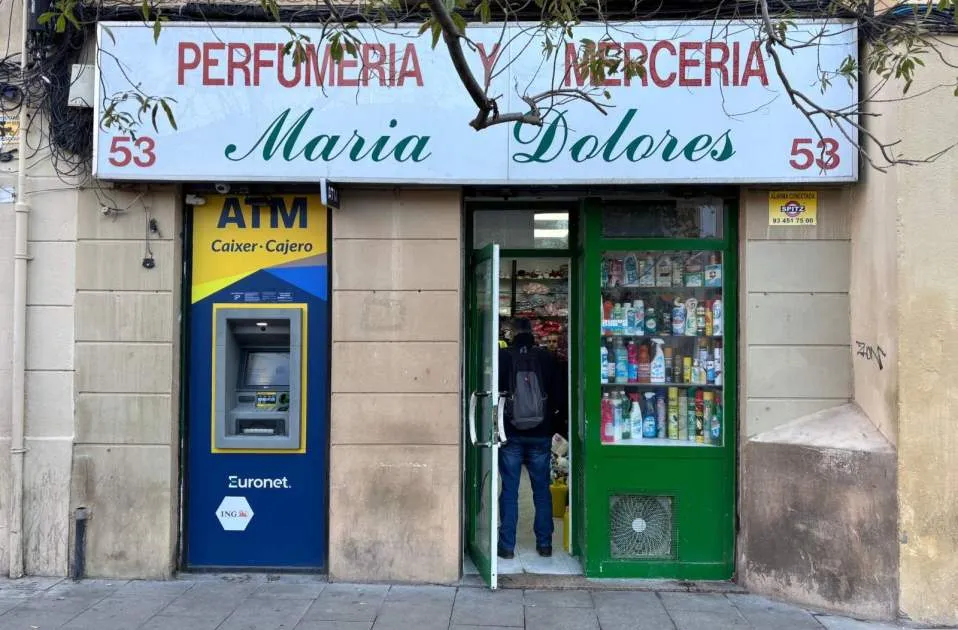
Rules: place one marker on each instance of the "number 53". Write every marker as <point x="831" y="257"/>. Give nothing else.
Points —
<point x="827" y="147"/>
<point x="121" y="154"/>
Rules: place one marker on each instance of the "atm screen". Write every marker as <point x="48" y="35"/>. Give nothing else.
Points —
<point x="266" y="369"/>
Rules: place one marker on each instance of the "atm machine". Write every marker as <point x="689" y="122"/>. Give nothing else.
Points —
<point x="258" y="379"/>
<point x="256" y="385"/>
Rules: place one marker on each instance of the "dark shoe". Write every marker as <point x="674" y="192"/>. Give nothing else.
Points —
<point x="504" y="553"/>
<point x="545" y="552"/>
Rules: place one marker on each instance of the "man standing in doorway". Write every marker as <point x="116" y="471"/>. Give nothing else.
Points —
<point x="531" y="385"/>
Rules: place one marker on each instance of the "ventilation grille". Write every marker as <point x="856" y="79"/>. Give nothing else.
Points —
<point x="640" y="526"/>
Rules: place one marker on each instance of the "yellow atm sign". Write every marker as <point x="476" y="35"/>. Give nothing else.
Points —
<point x="235" y="236"/>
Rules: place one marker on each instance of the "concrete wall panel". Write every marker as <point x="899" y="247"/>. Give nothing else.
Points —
<point x="834" y="220"/>
<point x="798" y="319"/>
<point x="396" y="419"/>
<point x="395" y="515"/>
<point x="388" y="265"/>
<point x="49" y="403"/>
<point x="124" y="368"/>
<point x="46" y="505"/>
<point x="799" y="372"/>
<point x="396" y="316"/>
<point x="398" y="214"/>
<point x="790" y="266"/>
<point x="50" y="280"/>
<point x="125" y="316"/>
<point x="118" y="266"/>
<point x="49" y="338"/>
<point x="410" y="367"/>
<point x="124" y="418"/>
<point x="764" y="414"/>
<point x="53" y="215"/>
<point x="129" y="493"/>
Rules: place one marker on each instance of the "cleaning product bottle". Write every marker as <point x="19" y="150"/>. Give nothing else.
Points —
<point x="669" y="367"/>
<point x="700" y="321"/>
<point x="718" y="364"/>
<point x="691" y="321"/>
<point x="690" y="414"/>
<point x="604" y="363"/>
<point x="649" y="426"/>
<point x="678" y="317"/>
<point x="708" y="408"/>
<point x="626" y="432"/>
<point x="616" y="417"/>
<point x="672" y="424"/>
<point x="608" y="427"/>
<point x="660" y="413"/>
<point x="621" y="362"/>
<point x="715" y="431"/>
<point x="635" y="415"/>
<point x="657" y="367"/>
<point x="699" y="417"/>
<point x="683" y="416"/>
<point x="633" y="354"/>
<point x="651" y="323"/>
<point x="630" y="323"/>
<point x="644" y="372"/>
<point x="717" y="327"/>
<point x="709" y="320"/>
<point x="639" y="307"/>
<point x="610" y="376"/>
<point x="631" y="271"/>
<point x="695" y="371"/>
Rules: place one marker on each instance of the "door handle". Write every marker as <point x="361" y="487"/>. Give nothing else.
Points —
<point x="500" y="424"/>
<point x="472" y="417"/>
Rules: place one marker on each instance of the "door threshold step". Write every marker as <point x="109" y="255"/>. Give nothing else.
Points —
<point x="579" y="582"/>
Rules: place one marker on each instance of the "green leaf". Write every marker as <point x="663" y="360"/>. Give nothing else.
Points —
<point x="61" y="24"/>
<point x="436" y="32"/>
<point x="156" y="109"/>
<point x="145" y="10"/>
<point x="459" y="21"/>
<point x="45" y="17"/>
<point x="107" y="30"/>
<point x="169" y="113"/>
<point x="157" y="26"/>
<point x="425" y="26"/>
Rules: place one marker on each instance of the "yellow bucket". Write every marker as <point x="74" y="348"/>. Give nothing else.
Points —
<point x="566" y="532"/>
<point x="560" y="493"/>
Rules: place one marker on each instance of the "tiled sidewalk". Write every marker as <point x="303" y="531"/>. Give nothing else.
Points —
<point x="244" y="602"/>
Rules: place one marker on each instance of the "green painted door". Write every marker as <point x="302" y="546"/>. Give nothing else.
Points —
<point x="484" y="414"/>
<point x="659" y="273"/>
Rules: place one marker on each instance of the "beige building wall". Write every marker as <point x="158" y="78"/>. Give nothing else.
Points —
<point x="794" y="335"/>
<point x="926" y="296"/>
<point x="396" y="373"/>
<point x="127" y="374"/>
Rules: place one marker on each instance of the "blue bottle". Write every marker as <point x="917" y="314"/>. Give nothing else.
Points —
<point x="650" y="427"/>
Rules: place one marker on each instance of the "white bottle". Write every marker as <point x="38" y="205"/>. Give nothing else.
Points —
<point x="717" y="318"/>
<point x="604" y="363"/>
<point x="657" y="368"/>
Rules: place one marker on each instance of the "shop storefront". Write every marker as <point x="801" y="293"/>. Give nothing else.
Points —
<point x="341" y="342"/>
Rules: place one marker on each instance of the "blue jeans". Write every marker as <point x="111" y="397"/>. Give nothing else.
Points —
<point x="535" y="453"/>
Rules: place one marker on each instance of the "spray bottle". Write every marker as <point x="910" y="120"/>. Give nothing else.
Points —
<point x="657" y="368"/>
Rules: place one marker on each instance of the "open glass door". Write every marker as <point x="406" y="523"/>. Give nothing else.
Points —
<point x="486" y="430"/>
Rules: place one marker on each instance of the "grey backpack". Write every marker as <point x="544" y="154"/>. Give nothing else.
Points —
<point x="526" y="407"/>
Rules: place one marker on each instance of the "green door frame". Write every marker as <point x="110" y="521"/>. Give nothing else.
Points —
<point x="704" y="536"/>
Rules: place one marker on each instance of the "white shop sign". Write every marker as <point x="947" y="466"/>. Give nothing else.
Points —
<point x="710" y="108"/>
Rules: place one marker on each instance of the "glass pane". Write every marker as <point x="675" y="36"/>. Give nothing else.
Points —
<point x="668" y="218"/>
<point x="662" y="354"/>
<point x="541" y="296"/>
<point x="521" y="229"/>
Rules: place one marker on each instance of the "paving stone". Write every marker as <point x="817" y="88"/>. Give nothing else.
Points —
<point x="139" y="588"/>
<point x="636" y="619"/>
<point x="17" y="619"/>
<point x="482" y="607"/>
<point x="707" y="620"/>
<point x="8" y="603"/>
<point x="120" y="612"/>
<point x="459" y="627"/>
<point x="334" y="625"/>
<point x="541" y="618"/>
<point x="408" y="593"/>
<point x="26" y="587"/>
<point x="263" y="614"/>
<point x="782" y="620"/>
<point x="747" y="601"/>
<point x="559" y="599"/>
<point x="407" y="615"/>
<point x="210" y="599"/>
<point x="163" y="622"/>
<point x="347" y="602"/>
<point x="697" y="602"/>
<point x="283" y="590"/>
<point x="632" y="600"/>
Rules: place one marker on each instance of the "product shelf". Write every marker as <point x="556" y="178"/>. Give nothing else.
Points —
<point x="658" y="442"/>
<point x="662" y="385"/>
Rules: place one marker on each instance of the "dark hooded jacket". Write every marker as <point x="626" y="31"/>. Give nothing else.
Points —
<point x="552" y="383"/>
